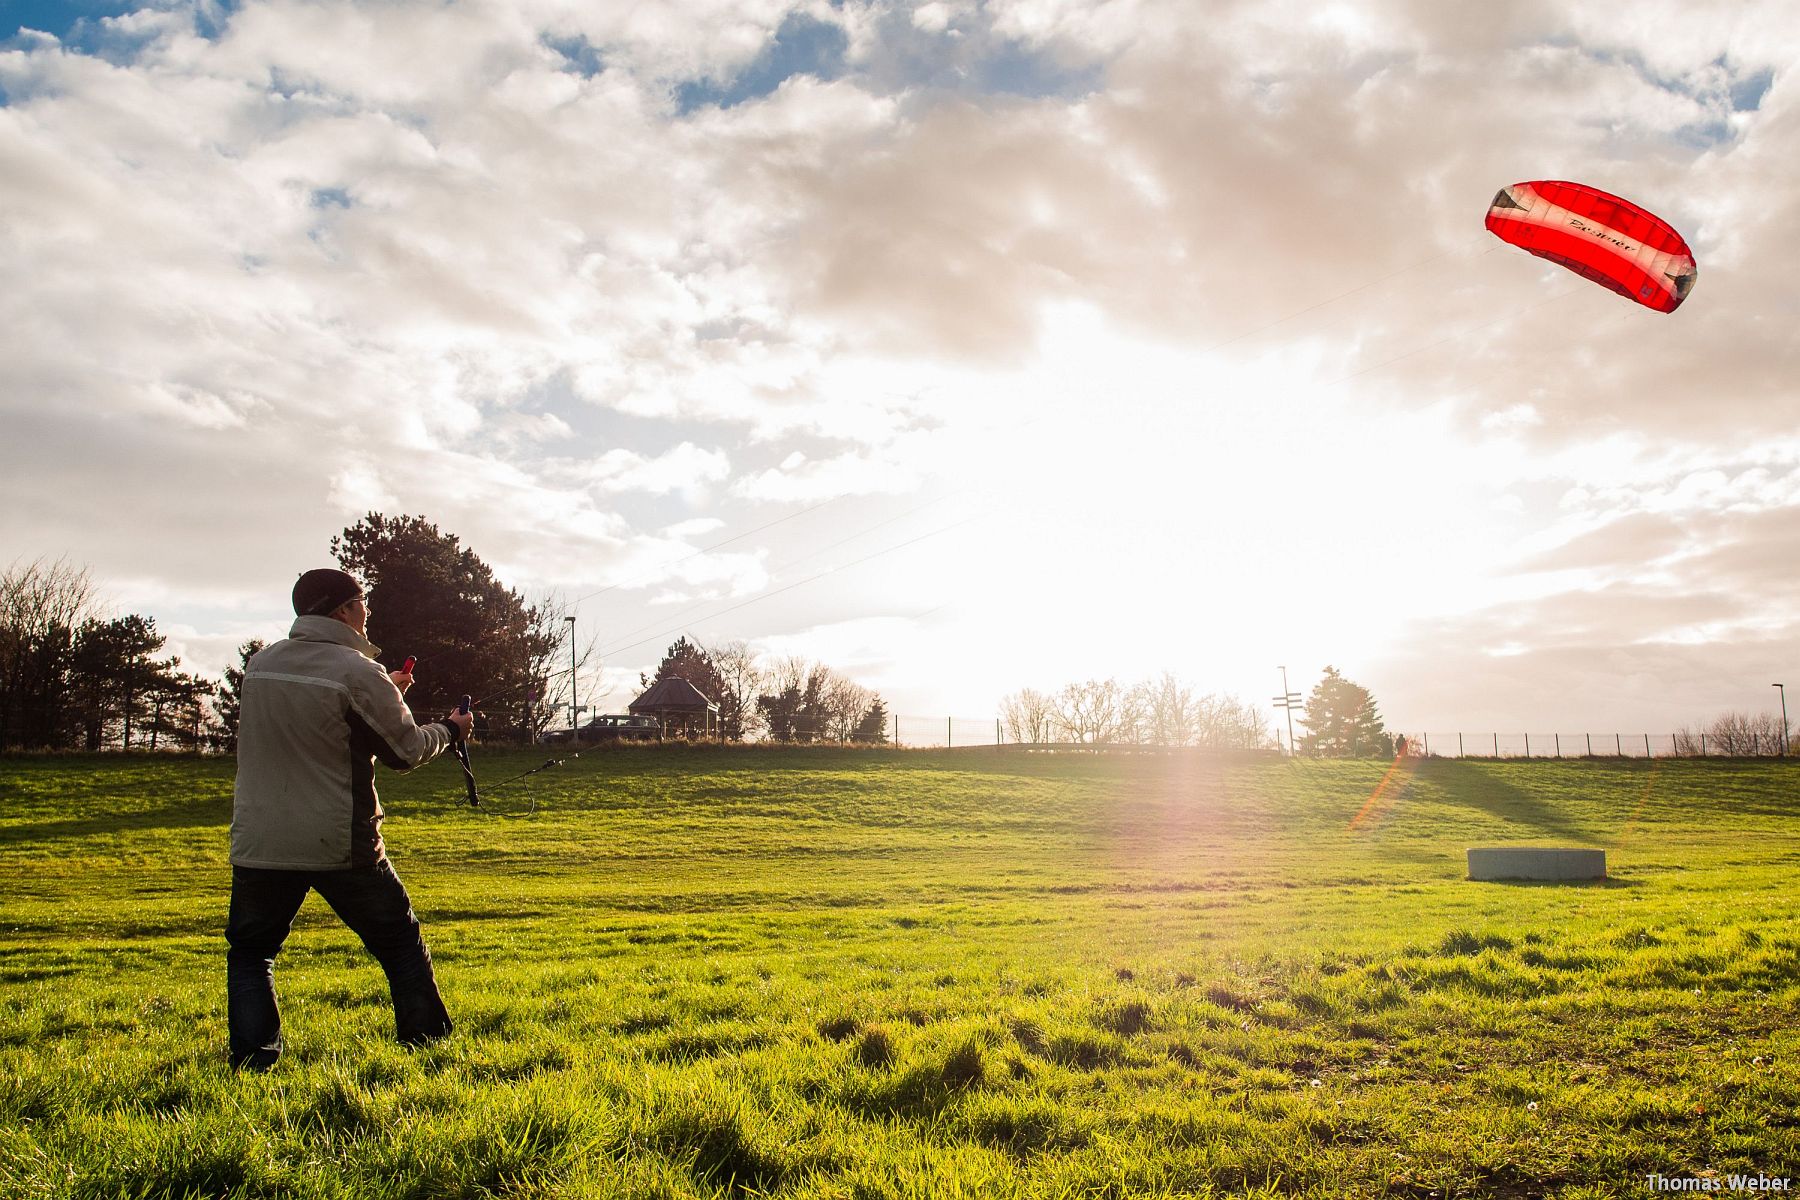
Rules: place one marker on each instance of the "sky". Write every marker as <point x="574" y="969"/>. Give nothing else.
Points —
<point x="964" y="347"/>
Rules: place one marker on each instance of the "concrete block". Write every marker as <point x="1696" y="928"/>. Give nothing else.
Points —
<point x="1536" y="862"/>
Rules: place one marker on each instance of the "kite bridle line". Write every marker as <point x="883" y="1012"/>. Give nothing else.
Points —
<point x="545" y="766"/>
<point x="461" y="745"/>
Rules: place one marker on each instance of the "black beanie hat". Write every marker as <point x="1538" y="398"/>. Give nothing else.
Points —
<point x="317" y="593"/>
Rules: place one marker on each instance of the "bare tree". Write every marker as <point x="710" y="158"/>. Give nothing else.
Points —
<point x="744" y="678"/>
<point x="1170" y="712"/>
<point x="1224" y="722"/>
<point x="1735" y="734"/>
<point x="552" y="687"/>
<point x="1029" y="716"/>
<point x="1134" y="715"/>
<point x="789" y="672"/>
<point x="42" y="605"/>
<point x="1092" y="712"/>
<point x="844" y="702"/>
<point x="1158" y="712"/>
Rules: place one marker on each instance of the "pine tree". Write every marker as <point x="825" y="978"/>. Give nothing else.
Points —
<point x="872" y="730"/>
<point x="780" y="712"/>
<point x="431" y="598"/>
<point x="1342" y="720"/>
<point x="799" y="709"/>
<point x="228" y="700"/>
<point x="112" y="673"/>
<point x="694" y="663"/>
<point x="177" y="715"/>
<point x="690" y="661"/>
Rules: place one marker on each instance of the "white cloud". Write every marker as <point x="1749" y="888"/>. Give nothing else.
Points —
<point x="886" y="654"/>
<point x="799" y="478"/>
<point x="520" y="428"/>
<point x="694" y="528"/>
<point x="686" y="468"/>
<point x="358" y="489"/>
<point x="934" y="17"/>
<point x="1226" y="289"/>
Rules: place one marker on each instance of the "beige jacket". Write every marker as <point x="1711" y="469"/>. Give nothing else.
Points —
<point x="317" y="711"/>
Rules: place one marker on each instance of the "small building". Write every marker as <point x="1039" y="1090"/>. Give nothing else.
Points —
<point x="681" y="707"/>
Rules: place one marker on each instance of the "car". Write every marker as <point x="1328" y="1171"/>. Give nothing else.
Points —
<point x="610" y="727"/>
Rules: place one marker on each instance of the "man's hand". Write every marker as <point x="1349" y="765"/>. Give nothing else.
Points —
<point x="402" y="680"/>
<point x="463" y="721"/>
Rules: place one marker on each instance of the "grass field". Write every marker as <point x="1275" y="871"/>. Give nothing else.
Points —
<point x="869" y="974"/>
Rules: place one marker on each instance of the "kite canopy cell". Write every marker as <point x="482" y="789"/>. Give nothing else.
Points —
<point x="1598" y="236"/>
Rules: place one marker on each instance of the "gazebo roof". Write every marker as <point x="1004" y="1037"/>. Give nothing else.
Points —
<point x="673" y="694"/>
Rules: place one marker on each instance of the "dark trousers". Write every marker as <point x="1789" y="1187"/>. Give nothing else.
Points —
<point x="372" y="902"/>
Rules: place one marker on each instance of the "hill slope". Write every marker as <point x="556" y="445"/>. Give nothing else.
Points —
<point x="898" y="973"/>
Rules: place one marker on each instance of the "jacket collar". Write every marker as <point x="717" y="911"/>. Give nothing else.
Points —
<point x="325" y="629"/>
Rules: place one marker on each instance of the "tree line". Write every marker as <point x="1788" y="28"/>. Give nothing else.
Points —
<point x="431" y="597"/>
<point x="73" y="678"/>
<point x="1341" y="721"/>
<point x="1158" y="712"/>
<point x="788" y="699"/>
<point x="1737" y="734"/>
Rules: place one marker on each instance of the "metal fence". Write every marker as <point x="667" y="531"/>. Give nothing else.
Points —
<point x="1587" y="745"/>
<point x="956" y="733"/>
<point x="924" y="732"/>
<point x="952" y="732"/>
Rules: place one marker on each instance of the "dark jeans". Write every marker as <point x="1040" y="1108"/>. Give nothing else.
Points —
<point x="372" y="902"/>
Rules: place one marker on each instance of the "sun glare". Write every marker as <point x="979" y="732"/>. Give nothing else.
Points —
<point x="1150" y="507"/>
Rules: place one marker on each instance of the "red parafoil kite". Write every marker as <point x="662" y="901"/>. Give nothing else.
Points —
<point x="1597" y="235"/>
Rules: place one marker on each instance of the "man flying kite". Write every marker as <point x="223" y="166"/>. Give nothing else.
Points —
<point x="317" y="711"/>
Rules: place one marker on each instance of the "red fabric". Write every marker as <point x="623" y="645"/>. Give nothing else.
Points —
<point x="1598" y="236"/>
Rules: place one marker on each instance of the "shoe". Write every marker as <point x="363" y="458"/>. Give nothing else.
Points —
<point x="257" y="1061"/>
<point x="426" y="1037"/>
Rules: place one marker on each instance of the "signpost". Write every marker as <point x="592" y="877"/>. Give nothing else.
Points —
<point x="1290" y="701"/>
<point x="1782" y="688"/>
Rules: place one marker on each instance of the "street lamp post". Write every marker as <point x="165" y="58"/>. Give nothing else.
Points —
<point x="574" y="712"/>
<point x="1290" y="701"/>
<point x="1784" y="724"/>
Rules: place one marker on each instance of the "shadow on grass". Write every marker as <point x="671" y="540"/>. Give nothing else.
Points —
<point x="180" y="814"/>
<point x="1602" y="885"/>
<point x="1472" y="786"/>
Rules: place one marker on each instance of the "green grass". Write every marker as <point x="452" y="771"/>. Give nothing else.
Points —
<point x="700" y="972"/>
